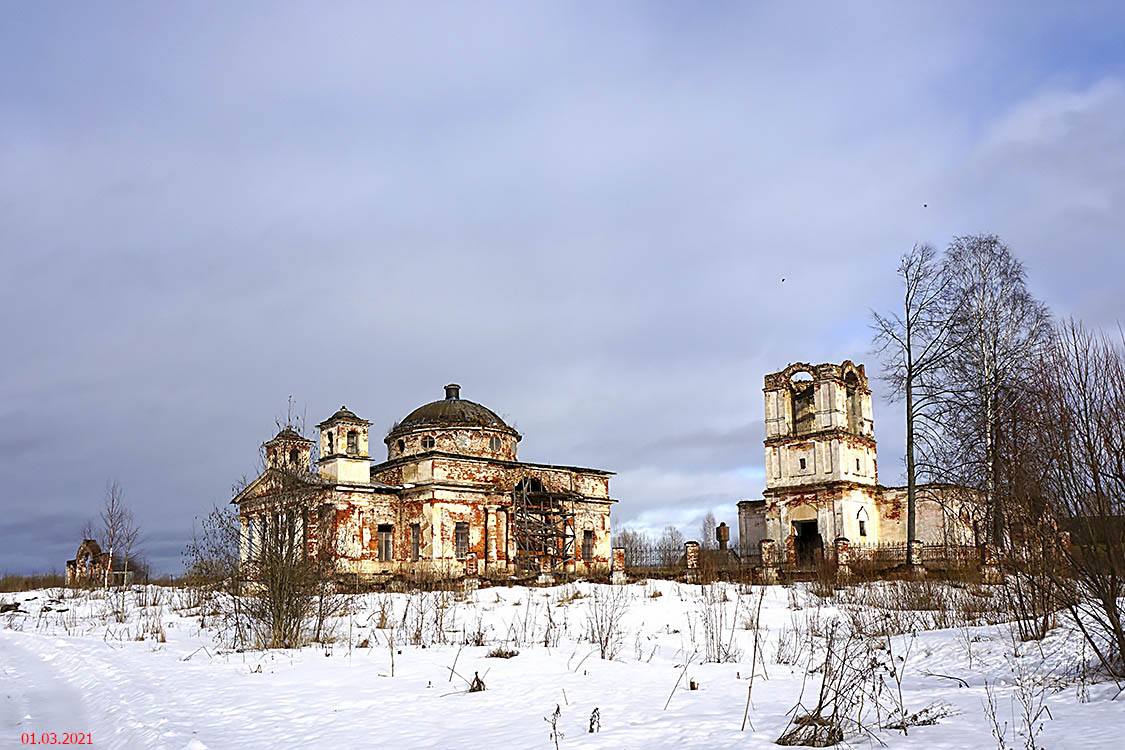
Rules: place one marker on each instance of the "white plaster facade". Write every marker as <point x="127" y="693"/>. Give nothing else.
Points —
<point x="822" y="477"/>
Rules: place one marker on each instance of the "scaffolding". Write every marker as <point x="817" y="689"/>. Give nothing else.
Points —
<point x="542" y="526"/>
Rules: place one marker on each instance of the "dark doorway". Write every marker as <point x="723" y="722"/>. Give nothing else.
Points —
<point x="809" y="548"/>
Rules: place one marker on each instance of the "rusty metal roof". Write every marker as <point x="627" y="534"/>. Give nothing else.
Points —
<point x="452" y="412"/>
<point x="344" y="414"/>
<point x="288" y="433"/>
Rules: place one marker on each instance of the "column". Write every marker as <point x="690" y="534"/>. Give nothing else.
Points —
<point x="243" y="538"/>
<point x="491" y="532"/>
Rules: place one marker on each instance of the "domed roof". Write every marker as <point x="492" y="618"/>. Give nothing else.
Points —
<point x="289" y="434"/>
<point x="343" y="414"/>
<point x="452" y="411"/>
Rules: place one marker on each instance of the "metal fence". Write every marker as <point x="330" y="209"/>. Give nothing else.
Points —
<point x="657" y="561"/>
<point x="938" y="556"/>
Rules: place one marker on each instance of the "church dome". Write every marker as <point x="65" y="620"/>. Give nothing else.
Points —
<point x="452" y="411"/>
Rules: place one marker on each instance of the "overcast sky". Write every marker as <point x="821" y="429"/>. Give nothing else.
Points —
<point x="581" y="212"/>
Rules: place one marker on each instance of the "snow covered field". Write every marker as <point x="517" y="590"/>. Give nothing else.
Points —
<point x="162" y="679"/>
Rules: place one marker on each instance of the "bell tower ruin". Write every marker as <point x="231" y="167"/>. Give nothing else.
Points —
<point x="822" y="480"/>
<point x="822" y="490"/>
<point x="819" y="426"/>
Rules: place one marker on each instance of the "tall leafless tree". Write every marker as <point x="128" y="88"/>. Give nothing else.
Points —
<point x="119" y="530"/>
<point x="670" y="546"/>
<point x="707" y="532"/>
<point x="916" y="342"/>
<point x="636" y="544"/>
<point x="1000" y="329"/>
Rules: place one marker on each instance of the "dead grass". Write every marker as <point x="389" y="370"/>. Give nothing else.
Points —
<point x="13" y="582"/>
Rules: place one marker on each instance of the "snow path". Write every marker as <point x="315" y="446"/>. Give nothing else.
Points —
<point x="79" y="687"/>
<point x="35" y="696"/>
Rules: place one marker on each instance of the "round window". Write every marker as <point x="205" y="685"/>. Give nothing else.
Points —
<point x="494" y="443"/>
<point x="428" y="442"/>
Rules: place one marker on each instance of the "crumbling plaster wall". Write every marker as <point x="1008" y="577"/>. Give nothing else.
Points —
<point x="474" y="441"/>
<point x="840" y="458"/>
<point x="336" y="434"/>
<point x="938" y="516"/>
<point x="836" y="510"/>
<point x="593" y="517"/>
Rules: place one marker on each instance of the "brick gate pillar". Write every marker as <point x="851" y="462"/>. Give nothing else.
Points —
<point x="618" y="574"/>
<point x="843" y="559"/>
<point x="768" y="572"/>
<point x="691" y="558"/>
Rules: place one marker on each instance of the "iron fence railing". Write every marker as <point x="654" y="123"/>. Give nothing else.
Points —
<point x="933" y="555"/>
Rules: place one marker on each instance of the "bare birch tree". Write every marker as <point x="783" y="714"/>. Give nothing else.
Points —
<point x="915" y="343"/>
<point x="999" y="328"/>
<point x="707" y="532"/>
<point x="119" y="530"/>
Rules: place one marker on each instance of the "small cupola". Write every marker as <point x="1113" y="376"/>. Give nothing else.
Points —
<point x="452" y="391"/>
<point x="288" y="450"/>
<point x="343" y="447"/>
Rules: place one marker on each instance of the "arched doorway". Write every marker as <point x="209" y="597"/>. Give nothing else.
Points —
<point x="809" y="547"/>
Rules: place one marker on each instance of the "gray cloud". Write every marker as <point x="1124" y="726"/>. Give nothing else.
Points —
<point x="581" y="215"/>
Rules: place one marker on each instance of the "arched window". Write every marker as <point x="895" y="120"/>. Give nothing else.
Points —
<point x="331" y="444"/>
<point x="862" y="518"/>
<point x="804" y="412"/>
<point x="494" y="443"/>
<point x="353" y="442"/>
<point x="294" y="456"/>
<point x="401" y="445"/>
<point x="428" y="442"/>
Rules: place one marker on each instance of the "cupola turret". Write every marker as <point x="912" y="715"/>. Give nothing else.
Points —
<point x="288" y="450"/>
<point x="344" y="453"/>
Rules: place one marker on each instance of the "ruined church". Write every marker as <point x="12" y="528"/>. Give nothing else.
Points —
<point x="822" y="479"/>
<point x="450" y="499"/>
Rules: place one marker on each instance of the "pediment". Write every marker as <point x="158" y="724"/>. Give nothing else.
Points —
<point x="276" y="481"/>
